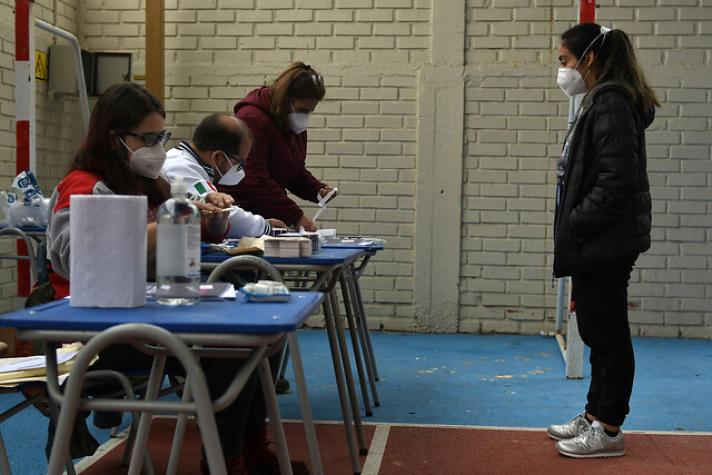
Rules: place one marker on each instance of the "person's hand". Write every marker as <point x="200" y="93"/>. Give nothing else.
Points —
<point x="213" y="218"/>
<point x="306" y="223"/>
<point x="325" y="191"/>
<point x="209" y="210"/>
<point x="221" y="200"/>
<point x="276" y="223"/>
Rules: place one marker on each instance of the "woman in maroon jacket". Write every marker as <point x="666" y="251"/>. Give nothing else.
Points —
<point x="277" y="117"/>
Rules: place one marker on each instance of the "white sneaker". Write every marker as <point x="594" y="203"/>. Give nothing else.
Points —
<point x="575" y="427"/>
<point x="593" y="443"/>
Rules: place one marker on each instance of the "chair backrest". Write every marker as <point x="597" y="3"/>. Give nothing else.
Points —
<point x="226" y="269"/>
<point x="12" y="231"/>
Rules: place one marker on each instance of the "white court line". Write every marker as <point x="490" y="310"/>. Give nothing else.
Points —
<point x="372" y="465"/>
<point x="103" y="449"/>
<point x="524" y="429"/>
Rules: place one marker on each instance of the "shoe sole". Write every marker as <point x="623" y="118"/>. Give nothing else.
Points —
<point x="556" y="437"/>
<point x="596" y="455"/>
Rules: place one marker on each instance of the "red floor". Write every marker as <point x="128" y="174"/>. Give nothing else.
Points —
<point x="433" y="450"/>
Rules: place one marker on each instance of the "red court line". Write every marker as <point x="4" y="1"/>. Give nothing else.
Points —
<point x="453" y="450"/>
<point x="331" y="439"/>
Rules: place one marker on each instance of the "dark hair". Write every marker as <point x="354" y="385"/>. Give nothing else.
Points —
<point x="216" y="132"/>
<point x="614" y="60"/>
<point x="120" y="108"/>
<point x="298" y="81"/>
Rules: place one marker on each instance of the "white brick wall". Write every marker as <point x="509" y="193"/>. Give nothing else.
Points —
<point x="365" y="135"/>
<point x="362" y="138"/>
<point x="515" y="123"/>
<point x="57" y="134"/>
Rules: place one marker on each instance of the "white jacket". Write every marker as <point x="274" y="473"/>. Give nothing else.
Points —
<point x="182" y="161"/>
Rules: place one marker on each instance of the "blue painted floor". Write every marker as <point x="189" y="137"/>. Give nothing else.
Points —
<point x="514" y="381"/>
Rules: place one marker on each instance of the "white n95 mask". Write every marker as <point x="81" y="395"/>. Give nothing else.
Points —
<point x="570" y="81"/>
<point x="233" y="176"/>
<point x="298" y="121"/>
<point x="146" y="161"/>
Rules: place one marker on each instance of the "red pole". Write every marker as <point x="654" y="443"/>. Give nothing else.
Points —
<point x="24" y="114"/>
<point x="587" y="11"/>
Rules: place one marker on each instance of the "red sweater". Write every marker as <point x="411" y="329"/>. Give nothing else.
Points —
<point x="276" y="164"/>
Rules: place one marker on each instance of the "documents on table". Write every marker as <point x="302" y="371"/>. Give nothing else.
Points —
<point x="212" y="291"/>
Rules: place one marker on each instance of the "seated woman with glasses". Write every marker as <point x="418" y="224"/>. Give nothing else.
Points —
<point x="122" y="154"/>
<point x="216" y="155"/>
<point x="278" y="116"/>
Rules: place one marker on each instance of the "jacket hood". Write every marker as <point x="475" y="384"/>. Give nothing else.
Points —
<point x="647" y="116"/>
<point x="259" y="98"/>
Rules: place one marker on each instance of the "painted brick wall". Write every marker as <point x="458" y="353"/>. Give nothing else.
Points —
<point x="365" y="135"/>
<point x="516" y="120"/>
<point x="57" y="134"/>
<point x="362" y="138"/>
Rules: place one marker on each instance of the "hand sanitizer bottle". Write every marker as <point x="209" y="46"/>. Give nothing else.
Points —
<point x="178" y="249"/>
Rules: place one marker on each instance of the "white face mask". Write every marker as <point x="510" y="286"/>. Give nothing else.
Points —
<point x="569" y="79"/>
<point x="571" y="82"/>
<point x="233" y="176"/>
<point x="298" y="121"/>
<point x="146" y="161"/>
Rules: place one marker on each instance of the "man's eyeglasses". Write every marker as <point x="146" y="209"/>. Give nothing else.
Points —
<point x="152" y="138"/>
<point x="237" y="162"/>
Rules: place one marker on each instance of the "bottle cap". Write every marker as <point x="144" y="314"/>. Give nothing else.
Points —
<point x="178" y="187"/>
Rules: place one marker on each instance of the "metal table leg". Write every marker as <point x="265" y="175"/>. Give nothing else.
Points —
<point x="364" y="325"/>
<point x="310" y="433"/>
<point x="362" y="328"/>
<point x="347" y="372"/>
<point x="266" y="378"/>
<point x="355" y="343"/>
<point x="341" y="386"/>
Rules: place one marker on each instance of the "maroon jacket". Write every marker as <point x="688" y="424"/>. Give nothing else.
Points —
<point x="275" y="165"/>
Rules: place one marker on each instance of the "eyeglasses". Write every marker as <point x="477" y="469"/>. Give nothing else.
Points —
<point x="238" y="162"/>
<point x="152" y="138"/>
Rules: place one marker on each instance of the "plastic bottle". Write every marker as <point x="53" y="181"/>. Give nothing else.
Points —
<point x="178" y="249"/>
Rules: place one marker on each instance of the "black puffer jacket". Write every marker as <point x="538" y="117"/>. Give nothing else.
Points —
<point x="605" y="211"/>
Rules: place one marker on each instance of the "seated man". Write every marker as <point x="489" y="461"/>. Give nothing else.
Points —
<point x="216" y="154"/>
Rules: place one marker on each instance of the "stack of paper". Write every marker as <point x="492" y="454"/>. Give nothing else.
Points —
<point x="14" y="371"/>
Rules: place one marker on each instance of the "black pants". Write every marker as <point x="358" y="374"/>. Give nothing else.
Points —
<point x="601" y="297"/>
<point x="245" y="415"/>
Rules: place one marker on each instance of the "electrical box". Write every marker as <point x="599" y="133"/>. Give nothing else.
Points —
<point x="101" y="70"/>
<point x="109" y="69"/>
<point x="62" y="78"/>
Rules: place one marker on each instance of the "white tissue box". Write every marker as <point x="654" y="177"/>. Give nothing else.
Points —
<point x="107" y="251"/>
<point x="287" y="247"/>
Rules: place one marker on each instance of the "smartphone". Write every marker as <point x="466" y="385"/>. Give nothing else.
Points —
<point x="329" y="196"/>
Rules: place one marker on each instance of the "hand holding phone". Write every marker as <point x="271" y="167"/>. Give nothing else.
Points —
<point x="325" y="198"/>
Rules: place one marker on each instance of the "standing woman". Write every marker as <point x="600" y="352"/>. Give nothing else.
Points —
<point x="602" y="222"/>
<point x="278" y="117"/>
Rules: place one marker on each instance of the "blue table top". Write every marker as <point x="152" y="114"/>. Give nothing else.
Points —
<point x="208" y="316"/>
<point x="324" y="257"/>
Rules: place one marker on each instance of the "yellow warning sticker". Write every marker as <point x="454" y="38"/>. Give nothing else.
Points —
<point x="41" y="65"/>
